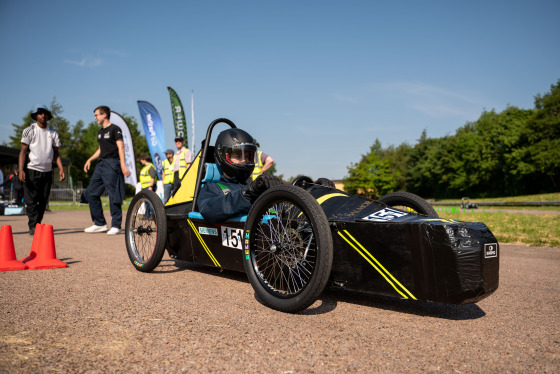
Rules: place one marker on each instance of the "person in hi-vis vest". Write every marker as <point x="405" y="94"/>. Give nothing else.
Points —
<point x="263" y="162"/>
<point x="168" y="175"/>
<point x="148" y="174"/>
<point x="182" y="160"/>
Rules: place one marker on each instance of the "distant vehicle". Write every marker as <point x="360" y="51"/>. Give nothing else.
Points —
<point x="298" y="239"/>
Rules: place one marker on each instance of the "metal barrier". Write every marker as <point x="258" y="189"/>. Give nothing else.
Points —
<point x="67" y="196"/>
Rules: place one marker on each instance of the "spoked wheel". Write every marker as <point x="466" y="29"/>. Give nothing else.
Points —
<point x="145" y="231"/>
<point x="408" y="202"/>
<point x="288" y="248"/>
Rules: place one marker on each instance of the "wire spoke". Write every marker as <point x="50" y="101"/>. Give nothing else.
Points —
<point x="284" y="248"/>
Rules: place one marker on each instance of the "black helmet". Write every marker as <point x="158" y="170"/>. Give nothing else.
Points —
<point x="238" y="141"/>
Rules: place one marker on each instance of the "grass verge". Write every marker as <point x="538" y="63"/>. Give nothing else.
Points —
<point x="518" y="228"/>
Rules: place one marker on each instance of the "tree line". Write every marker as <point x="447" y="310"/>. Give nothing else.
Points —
<point x="514" y="152"/>
<point x="79" y="142"/>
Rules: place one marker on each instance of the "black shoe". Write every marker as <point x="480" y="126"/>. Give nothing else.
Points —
<point x="31" y="232"/>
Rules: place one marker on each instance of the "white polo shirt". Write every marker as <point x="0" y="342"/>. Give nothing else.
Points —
<point x="41" y="143"/>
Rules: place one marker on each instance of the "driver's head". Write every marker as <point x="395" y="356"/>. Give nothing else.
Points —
<point x="234" y="152"/>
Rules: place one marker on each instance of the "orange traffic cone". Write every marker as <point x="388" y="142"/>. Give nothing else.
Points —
<point x="43" y="252"/>
<point x="34" y="244"/>
<point x="8" y="259"/>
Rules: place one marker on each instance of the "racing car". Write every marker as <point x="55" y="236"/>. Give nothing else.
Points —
<point x="299" y="238"/>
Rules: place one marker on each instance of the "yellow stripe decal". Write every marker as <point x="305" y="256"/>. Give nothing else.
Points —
<point x="216" y="263"/>
<point x="443" y="220"/>
<point x="324" y="198"/>
<point x="381" y="270"/>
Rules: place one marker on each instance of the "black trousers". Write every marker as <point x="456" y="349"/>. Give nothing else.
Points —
<point x="36" y="192"/>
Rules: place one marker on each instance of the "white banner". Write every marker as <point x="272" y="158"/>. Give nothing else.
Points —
<point x="128" y="149"/>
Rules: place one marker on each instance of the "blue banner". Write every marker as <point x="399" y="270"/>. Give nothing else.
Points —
<point x="155" y="136"/>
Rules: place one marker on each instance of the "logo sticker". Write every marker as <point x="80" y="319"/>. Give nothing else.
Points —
<point x="232" y="237"/>
<point x="385" y="215"/>
<point x="490" y="250"/>
<point x="208" y="231"/>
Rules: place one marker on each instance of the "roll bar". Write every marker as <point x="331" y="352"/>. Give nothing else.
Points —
<point x="200" y="170"/>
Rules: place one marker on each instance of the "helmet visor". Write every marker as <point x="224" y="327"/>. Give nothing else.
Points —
<point x="241" y="154"/>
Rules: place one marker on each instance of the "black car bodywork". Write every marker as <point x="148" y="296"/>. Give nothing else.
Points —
<point x="298" y="239"/>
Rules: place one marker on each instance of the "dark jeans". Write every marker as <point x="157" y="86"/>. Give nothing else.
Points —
<point x="167" y="192"/>
<point x="107" y="176"/>
<point x="36" y="192"/>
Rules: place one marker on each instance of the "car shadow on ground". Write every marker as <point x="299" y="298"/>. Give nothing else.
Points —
<point x="419" y="308"/>
<point x="329" y="300"/>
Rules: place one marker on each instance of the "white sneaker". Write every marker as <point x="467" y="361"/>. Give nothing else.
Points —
<point x="96" y="228"/>
<point x="114" y="231"/>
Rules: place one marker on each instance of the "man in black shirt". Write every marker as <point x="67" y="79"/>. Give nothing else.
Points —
<point x="108" y="175"/>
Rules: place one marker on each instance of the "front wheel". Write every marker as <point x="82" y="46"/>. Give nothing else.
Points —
<point x="408" y="202"/>
<point x="145" y="231"/>
<point x="288" y="248"/>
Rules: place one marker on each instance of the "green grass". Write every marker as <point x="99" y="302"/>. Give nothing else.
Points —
<point x="555" y="196"/>
<point x="55" y="205"/>
<point x="518" y="228"/>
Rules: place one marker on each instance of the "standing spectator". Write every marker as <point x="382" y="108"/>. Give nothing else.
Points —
<point x="108" y="175"/>
<point x="263" y="162"/>
<point x="39" y="147"/>
<point x="1" y="184"/>
<point x="148" y="174"/>
<point x="183" y="159"/>
<point x="168" y="176"/>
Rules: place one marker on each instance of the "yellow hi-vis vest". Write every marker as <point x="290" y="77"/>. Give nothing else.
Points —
<point x="182" y="163"/>
<point x="168" y="175"/>
<point x="145" y="179"/>
<point x="258" y="166"/>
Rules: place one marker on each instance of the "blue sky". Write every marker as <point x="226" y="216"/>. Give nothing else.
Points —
<point x="316" y="82"/>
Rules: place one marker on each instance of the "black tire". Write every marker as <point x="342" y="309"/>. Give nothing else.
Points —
<point x="288" y="249"/>
<point x="408" y="201"/>
<point x="145" y="231"/>
<point x="325" y="182"/>
<point x="302" y="181"/>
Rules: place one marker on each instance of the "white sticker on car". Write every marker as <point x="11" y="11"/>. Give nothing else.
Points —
<point x="490" y="250"/>
<point x="232" y="237"/>
<point x="208" y="231"/>
<point x="386" y="214"/>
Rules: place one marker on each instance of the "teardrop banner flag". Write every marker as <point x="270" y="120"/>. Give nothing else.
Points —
<point x="155" y="135"/>
<point x="179" y="117"/>
<point x="117" y="119"/>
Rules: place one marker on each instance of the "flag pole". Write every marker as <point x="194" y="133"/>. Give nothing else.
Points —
<point x="192" y="120"/>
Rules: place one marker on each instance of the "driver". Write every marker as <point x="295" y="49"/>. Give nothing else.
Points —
<point x="234" y="154"/>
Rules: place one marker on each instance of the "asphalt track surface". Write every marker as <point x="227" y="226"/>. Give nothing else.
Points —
<point x="101" y="315"/>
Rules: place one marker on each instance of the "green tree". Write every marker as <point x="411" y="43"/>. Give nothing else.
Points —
<point x="15" y="140"/>
<point x="542" y="134"/>
<point x="372" y="176"/>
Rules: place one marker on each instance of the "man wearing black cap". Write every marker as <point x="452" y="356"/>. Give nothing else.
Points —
<point x="183" y="159"/>
<point x="39" y="147"/>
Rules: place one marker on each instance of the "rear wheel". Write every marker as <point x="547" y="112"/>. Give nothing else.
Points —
<point x="288" y="248"/>
<point x="408" y="202"/>
<point x="145" y="231"/>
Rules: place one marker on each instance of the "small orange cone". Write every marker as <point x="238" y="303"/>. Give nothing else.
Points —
<point x="8" y="259"/>
<point x="43" y="252"/>
<point x="34" y="244"/>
